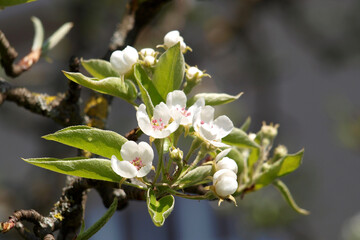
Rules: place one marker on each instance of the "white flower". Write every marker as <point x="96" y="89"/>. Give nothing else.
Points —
<point x="209" y="129"/>
<point x="123" y="60"/>
<point x="194" y="72"/>
<point x="161" y="124"/>
<point x="149" y="56"/>
<point x="176" y="101"/>
<point x="137" y="160"/>
<point x="225" y="182"/>
<point x="172" y="38"/>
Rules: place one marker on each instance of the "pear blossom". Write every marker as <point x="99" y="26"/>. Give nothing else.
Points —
<point x="172" y="38"/>
<point x="123" y="60"/>
<point x="137" y="160"/>
<point x="176" y="102"/>
<point x="209" y="129"/>
<point x="225" y="182"/>
<point x="161" y="125"/>
<point x="149" y="56"/>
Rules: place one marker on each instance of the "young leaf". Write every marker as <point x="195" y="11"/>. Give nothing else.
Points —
<point x="56" y="37"/>
<point x="93" y="168"/>
<point x="101" y="142"/>
<point x="245" y="126"/>
<point x="169" y="71"/>
<point x="214" y="98"/>
<point x="99" y="223"/>
<point x="39" y="34"/>
<point x="113" y="86"/>
<point x="239" y="138"/>
<point x="140" y="74"/>
<point x="99" y="68"/>
<point x="288" y="197"/>
<point x="160" y="209"/>
<point x="280" y="168"/>
<point x="196" y="176"/>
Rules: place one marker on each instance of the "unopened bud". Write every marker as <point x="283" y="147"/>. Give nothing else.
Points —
<point x="269" y="131"/>
<point x="176" y="155"/>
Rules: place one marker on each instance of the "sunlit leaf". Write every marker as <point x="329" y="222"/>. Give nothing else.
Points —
<point x="141" y="76"/>
<point x="99" y="68"/>
<point x="214" y="98"/>
<point x="196" y="176"/>
<point x="160" y="209"/>
<point x="239" y="138"/>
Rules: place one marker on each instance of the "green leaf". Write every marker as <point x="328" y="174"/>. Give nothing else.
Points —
<point x="195" y="177"/>
<point x="169" y="71"/>
<point x="245" y="126"/>
<point x="56" y="37"/>
<point x="288" y="197"/>
<point x="140" y="74"/>
<point x="93" y="168"/>
<point x="238" y="158"/>
<point x="99" y="68"/>
<point x="8" y="3"/>
<point x="160" y="209"/>
<point x="99" y="223"/>
<point x="39" y="34"/>
<point x="239" y="138"/>
<point x="280" y="168"/>
<point x="214" y="98"/>
<point x="148" y="85"/>
<point x="101" y="142"/>
<point x="113" y="86"/>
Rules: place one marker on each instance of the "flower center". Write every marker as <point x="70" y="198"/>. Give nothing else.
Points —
<point x="137" y="162"/>
<point x="158" y="124"/>
<point x="184" y="112"/>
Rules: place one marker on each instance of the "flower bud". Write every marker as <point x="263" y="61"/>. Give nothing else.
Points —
<point x="123" y="60"/>
<point x="225" y="182"/>
<point x="227" y="163"/>
<point x="194" y="72"/>
<point x="269" y="131"/>
<point x="176" y="155"/>
<point x="280" y="151"/>
<point x="172" y="38"/>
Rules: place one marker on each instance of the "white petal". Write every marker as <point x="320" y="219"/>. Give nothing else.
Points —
<point x="161" y="111"/>
<point x="224" y="125"/>
<point x="207" y="114"/>
<point x="146" y="153"/>
<point x="177" y="99"/>
<point x="171" y="38"/>
<point x="219" y="144"/>
<point x="130" y="55"/>
<point x="143" y="120"/>
<point x="225" y="186"/>
<point x="225" y="172"/>
<point x="129" y="151"/>
<point x="144" y="170"/>
<point x="227" y="163"/>
<point x="118" y="62"/>
<point x="207" y="132"/>
<point x="147" y="52"/>
<point x="123" y="168"/>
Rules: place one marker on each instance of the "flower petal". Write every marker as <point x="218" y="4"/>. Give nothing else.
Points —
<point x="224" y="125"/>
<point x="129" y="151"/>
<point x="143" y="120"/>
<point x="222" y="154"/>
<point x="161" y="111"/>
<point x="227" y="163"/>
<point x="207" y="114"/>
<point x="225" y="186"/>
<point x="144" y="170"/>
<point x="146" y="153"/>
<point x="123" y="168"/>
<point x="225" y="172"/>
<point x="176" y="99"/>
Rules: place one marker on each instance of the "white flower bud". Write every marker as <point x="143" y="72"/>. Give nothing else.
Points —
<point x="172" y="38"/>
<point x="149" y="60"/>
<point x="269" y="131"/>
<point x="123" y="60"/>
<point x="227" y="163"/>
<point x="225" y="182"/>
<point x="147" y="52"/>
<point x="194" y="72"/>
<point x="280" y="151"/>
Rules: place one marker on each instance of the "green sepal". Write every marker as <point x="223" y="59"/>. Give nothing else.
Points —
<point x="87" y="234"/>
<point x="113" y="86"/>
<point x="160" y="209"/>
<point x="99" y="68"/>
<point x="169" y="71"/>
<point x="214" y="98"/>
<point x="97" y="141"/>
<point x="239" y="138"/>
<point x="278" y="169"/>
<point x="284" y="190"/>
<point x="196" y="176"/>
<point x="93" y="168"/>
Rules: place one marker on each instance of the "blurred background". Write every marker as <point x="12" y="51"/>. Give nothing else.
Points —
<point x="298" y="63"/>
